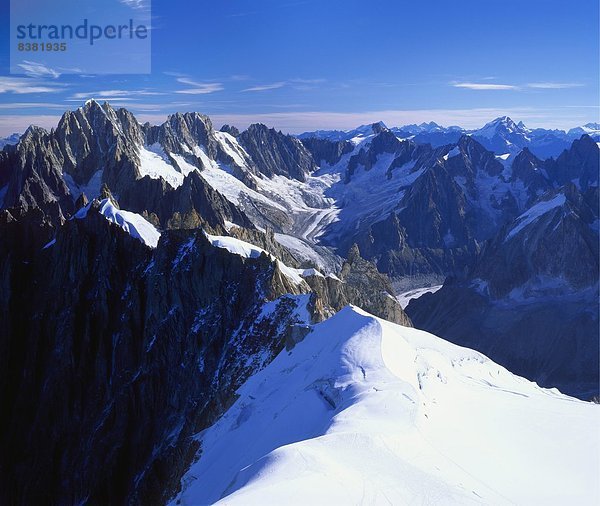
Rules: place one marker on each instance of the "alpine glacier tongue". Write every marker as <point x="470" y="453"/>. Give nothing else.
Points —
<point x="364" y="411"/>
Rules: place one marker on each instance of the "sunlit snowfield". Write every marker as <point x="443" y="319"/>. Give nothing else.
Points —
<point x="364" y="411"/>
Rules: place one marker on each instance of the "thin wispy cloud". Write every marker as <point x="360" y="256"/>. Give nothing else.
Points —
<point x="266" y="87"/>
<point x="307" y="81"/>
<point x="554" y="86"/>
<point x="485" y="86"/>
<point x="115" y="93"/>
<point x="197" y="88"/>
<point x="514" y="87"/>
<point x="35" y="69"/>
<point x="21" y="86"/>
<point x="31" y="105"/>
<point x="135" y="4"/>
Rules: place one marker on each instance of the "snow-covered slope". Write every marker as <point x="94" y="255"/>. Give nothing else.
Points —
<point x="134" y="224"/>
<point x="367" y="412"/>
<point x="247" y="250"/>
<point x="405" y="297"/>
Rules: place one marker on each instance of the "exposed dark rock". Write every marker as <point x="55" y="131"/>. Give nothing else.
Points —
<point x="327" y="151"/>
<point x="230" y="130"/>
<point x="277" y="153"/>
<point x="530" y="301"/>
<point x="113" y="355"/>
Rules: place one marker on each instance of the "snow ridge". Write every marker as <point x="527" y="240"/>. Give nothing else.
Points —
<point x="364" y="411"/>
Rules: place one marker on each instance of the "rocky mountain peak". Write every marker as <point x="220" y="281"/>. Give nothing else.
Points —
<point x="275" y="153"/>
<point x="231" y="130"/>
<point x="379" y="127"/>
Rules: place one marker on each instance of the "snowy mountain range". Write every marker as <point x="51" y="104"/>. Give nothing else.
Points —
<point x="502" y="136"/>
<point x="11" y="139"/>
<point x="166" y="289"/>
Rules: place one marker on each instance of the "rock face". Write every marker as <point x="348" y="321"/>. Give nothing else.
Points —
<point x="276" y="153"/>
<point x="119" y="353"/>
<point x="95" y="145"/>
<point x="32" y="179"/>
<point x="411" y="208"/>
<point x="447" y="202"/>
<point x="325" y="151"/>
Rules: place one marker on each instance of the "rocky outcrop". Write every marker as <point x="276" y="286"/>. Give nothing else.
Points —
<point x="231" y="130"/>
<point x="359" y="284"/>
<point x="113" y="355"/>
<point x="47" y="171"/>
<point x="276" y="153"/>
<point x="31" y="175"/>
<point x="326" y="151"/>
<point x="578" y="164"/>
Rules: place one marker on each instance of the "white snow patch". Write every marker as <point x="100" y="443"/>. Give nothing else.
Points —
<point x="369" y="196"/>
<point x="231" y="146"/>
<point x="309" y="272"/>
<point x="207" y="162"/>
<point x="406" y="297"/>
<point x="247" y="250"/>
<point x="535" y="212"/>
<point x="229" y="225"/>
<point x="455" y="151"/>
<point x="155" y="164"/>
<point x="301" y="249"/>
<point x="184" y="166"/>
<point x="363" y="411"/>
<point x="134" y="224"/>
<point x="91" y="188"/>
<point x="233" y="189"/>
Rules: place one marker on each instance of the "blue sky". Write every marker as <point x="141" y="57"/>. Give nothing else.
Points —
<point x="306" y="64"/>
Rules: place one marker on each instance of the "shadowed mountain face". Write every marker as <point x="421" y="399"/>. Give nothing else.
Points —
<point x="113" y="352"/>
<point x="147" y="271"/>
<point x="530" y="301"/>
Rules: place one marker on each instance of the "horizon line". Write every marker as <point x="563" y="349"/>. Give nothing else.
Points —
<point x="306" y="121"/>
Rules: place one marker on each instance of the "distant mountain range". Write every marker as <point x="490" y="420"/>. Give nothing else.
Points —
<point x="11" y="139"/>
<point x="502" y="136"/>
<point x="148" y="271"/>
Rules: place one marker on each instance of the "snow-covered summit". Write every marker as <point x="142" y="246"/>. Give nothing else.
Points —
<point x="592" y="129"/>
<point x="132" y="223"/>
<point x="502" y="125"/>
<point x="366" y="412"/>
